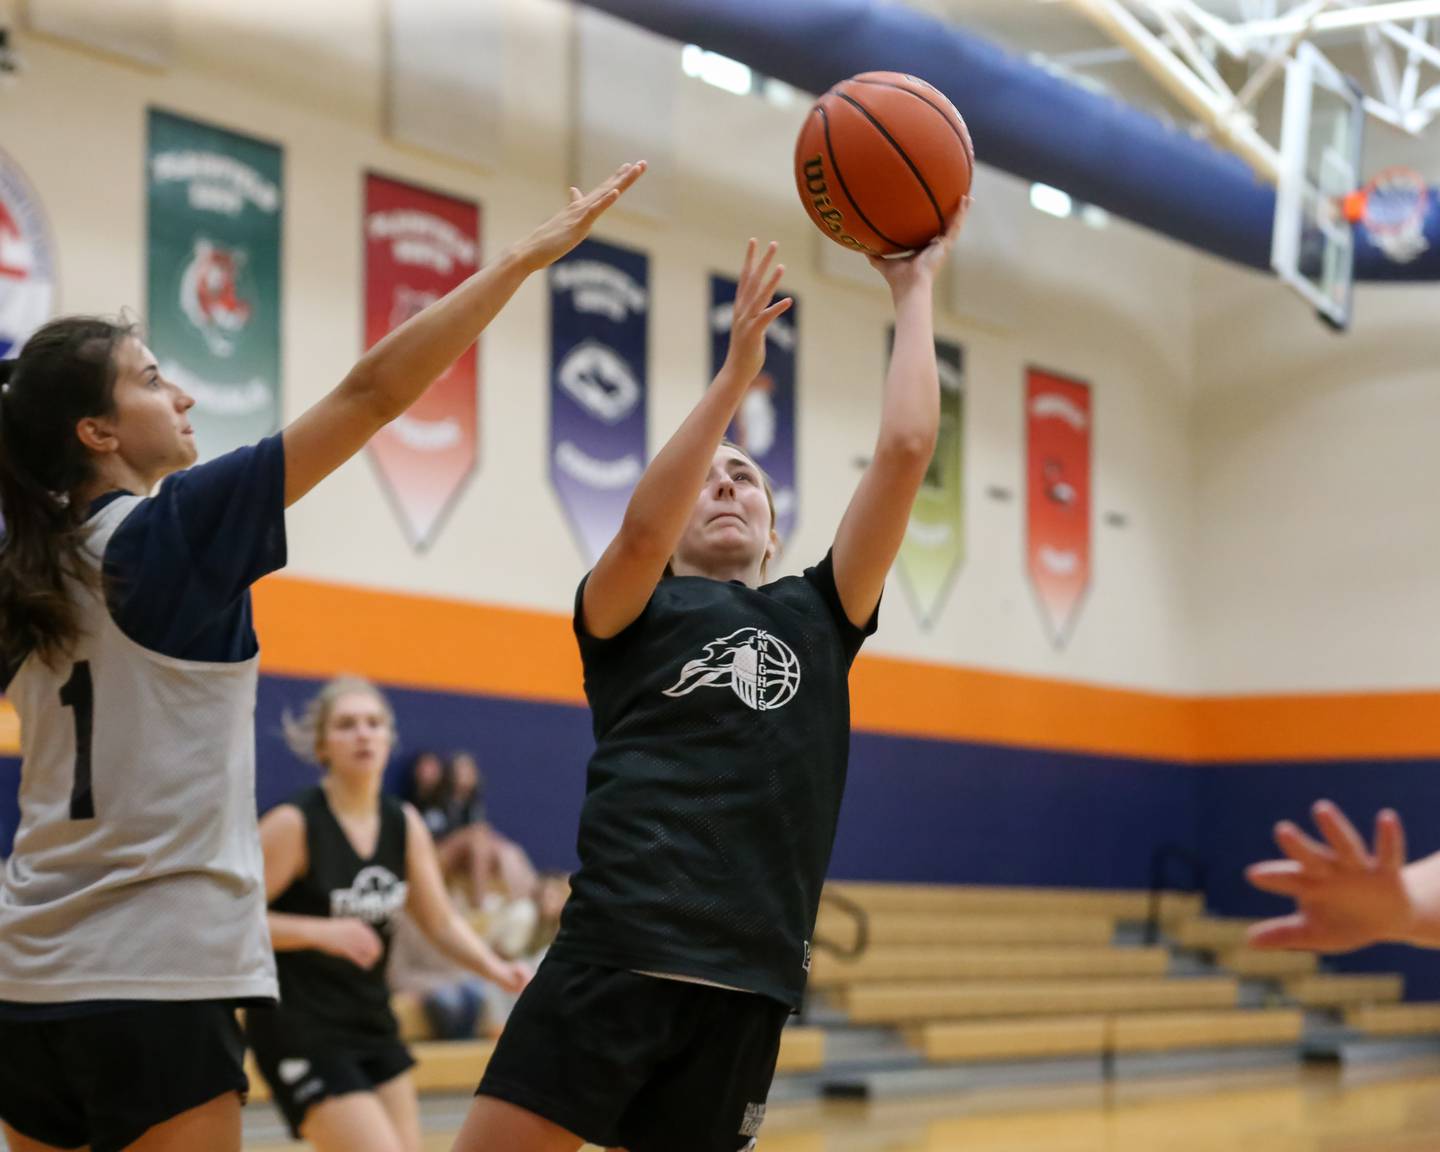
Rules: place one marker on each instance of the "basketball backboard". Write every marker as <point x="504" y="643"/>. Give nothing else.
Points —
<point x="1313" y="249"/>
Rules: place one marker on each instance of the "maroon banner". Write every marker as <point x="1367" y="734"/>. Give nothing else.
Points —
<point x="1058" y="424"/>
<point x="418" y="246"/>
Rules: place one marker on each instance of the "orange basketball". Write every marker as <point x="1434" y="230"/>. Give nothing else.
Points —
<point x="883" y="162"/>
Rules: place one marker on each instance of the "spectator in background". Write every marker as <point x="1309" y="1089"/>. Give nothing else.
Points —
<point x="426" y="787"/>
<point x="493" y="866"/>
<point x="457" y="1004"/>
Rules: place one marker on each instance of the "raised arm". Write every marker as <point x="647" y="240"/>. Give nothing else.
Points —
<point x="396" y="372"/>
<point x="625" y="576"/>
<point x="1346" y="895"/>
<point x="874" y="524"/>
<point x="434" y="915"/>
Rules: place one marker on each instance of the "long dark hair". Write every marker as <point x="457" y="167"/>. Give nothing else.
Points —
<point x="65" y="372"/>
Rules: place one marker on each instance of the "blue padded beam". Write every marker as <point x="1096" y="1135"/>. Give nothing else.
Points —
<point x="1025" y="120"/>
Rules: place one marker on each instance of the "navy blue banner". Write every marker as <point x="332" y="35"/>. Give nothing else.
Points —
<point x="599" y="320"/>
<point x="765" y="424"/>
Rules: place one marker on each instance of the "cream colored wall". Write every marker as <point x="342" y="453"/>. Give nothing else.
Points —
<point x="1316" y="468"/>
<point x="1316" y="472"/>
<point x="1111" y="306"/>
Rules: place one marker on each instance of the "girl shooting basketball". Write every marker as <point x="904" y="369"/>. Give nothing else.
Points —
<point x="721" y="717"/>
<point x="342" y="861"/>
<point x="132" y="911"/>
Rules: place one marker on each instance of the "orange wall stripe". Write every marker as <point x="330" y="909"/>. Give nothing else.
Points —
<point x="1348" y="726"/>
<point x="9" y="729"/>
<point x="312" y="629"/>
<point x="905" y="698"/>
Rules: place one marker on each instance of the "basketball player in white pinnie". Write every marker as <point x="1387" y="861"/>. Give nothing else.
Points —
<point x="132" y="909"/>
<point x="721" y="714"/>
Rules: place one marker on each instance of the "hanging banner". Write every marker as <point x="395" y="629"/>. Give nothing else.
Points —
<point x="934" y="544"/>
<point x="1058" y="425"/>
<point x="599" y="321"/>
<point x="27" y="260"/>
<point x="765" y="423"/>
<point x="215" y="208"/>
<point x="418" y="246"/>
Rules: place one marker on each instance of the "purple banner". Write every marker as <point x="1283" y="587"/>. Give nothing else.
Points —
<point x="765" y="424"/>
<point x="599" y="320"/>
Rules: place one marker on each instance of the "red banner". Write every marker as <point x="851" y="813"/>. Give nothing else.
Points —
<point x="418" y="246"/>
<point x="1058" y="423"/>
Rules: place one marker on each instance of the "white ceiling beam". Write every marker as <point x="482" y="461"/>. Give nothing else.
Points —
<point x="1217" y="112"/>
<point x="1394" y="11"/>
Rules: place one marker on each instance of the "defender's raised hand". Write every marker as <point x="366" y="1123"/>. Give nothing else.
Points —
<point x="1346" y="896"/>
<point x="572" y="224"/>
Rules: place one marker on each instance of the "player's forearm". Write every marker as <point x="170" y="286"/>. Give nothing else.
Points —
<point x="396" y="371"/>
<point x="1422" y="884"/>
<point x="663" y="500"/>
<point x="910" y="410"/>
<point x="458" y="941"/>
<point x="292" y="933"/>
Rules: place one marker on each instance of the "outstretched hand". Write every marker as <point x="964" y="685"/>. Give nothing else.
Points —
<point x="919" y="268"/>
<point x="572" y="224"/>
<point x="1346" y="897"/>
<point x="753" y="312"/>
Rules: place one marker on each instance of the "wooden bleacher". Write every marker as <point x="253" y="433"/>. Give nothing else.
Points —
<point x="1172" y="1031"/>
<point x="1395" y="1019"/>
<point x="1345" y="990"/>
<point x="896" y="928"/>
<point x="1121" y="1033"/>
<point x="1251" y="963"/>
<point x="932" y="962"/>
<point x="1119" y="904"/>
<point x="914" y="1002"/>
<point x="1211" y="933"/>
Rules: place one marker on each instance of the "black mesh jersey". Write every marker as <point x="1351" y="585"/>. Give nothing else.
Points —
<point x="335" y="997"/>
<point x="722" y="725"/>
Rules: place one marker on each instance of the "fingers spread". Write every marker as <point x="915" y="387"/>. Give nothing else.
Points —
<point x="1300" y="847"/>
<point x="1340" y="834"/>
<point x="1390" y="848"/>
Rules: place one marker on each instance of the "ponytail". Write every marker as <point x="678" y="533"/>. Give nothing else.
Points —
<point x="65" y="373"/>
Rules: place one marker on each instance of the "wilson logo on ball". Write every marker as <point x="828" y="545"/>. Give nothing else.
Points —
<point x="826" y="213"/>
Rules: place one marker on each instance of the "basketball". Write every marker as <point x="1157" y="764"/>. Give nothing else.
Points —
<point x="883" y="162"/>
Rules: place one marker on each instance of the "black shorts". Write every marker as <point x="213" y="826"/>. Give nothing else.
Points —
<point x="304" y="1062"/>
<point x="106" y="1078"/>
<point x="638" y="1062"/>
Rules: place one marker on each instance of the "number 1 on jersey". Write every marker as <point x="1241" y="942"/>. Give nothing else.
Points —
<point x="79" y="694"/>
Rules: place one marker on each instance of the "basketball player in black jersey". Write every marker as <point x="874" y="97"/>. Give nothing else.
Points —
<point x="342" y="861"/>
<point x="132" y="912"/>
<point x="721" y="718"/>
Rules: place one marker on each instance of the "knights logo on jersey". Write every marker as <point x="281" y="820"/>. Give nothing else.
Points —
<point x="375" y="896"/>
<point x="210" y="295"/>
<point x="756" y="665"/>
<point x="27" y="260"/>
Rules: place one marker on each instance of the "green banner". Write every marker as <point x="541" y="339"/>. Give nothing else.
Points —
<point x="934" y="546"/>
<point x="215" y="211"/>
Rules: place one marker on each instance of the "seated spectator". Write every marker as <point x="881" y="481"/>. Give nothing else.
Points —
<point x="457" y="1005"/>
<point x="426" y="787"/>
<point x="494" y="866"/>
